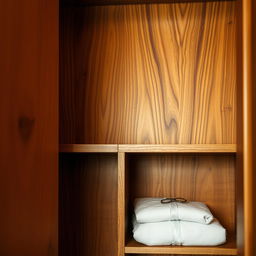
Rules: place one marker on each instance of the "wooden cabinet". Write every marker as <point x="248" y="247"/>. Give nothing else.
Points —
<point x="151" y="99"/>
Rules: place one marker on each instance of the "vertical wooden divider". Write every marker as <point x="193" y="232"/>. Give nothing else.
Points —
<point x="121" y="204"/>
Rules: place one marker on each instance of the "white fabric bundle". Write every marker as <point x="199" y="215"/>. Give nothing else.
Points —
<point x="179" y="233"/>
<point x="189" y="224"/>
<point x="152" y="210"/>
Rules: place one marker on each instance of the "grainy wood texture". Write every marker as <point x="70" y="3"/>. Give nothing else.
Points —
<point x="134" y="247"/>
<point x="178" y="148"/>
<point x="148" y="74"/>
<point x="29" y="128"/>
<point x="88" y="148"/>
<point x="247" y="124"/>
<point x="88" y="204"/>
<point x="121" y="204"/>
<point x="206" y="178"/>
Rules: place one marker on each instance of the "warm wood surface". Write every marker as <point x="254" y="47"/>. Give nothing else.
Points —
<point x="29" y="128"/>
<point x="178" y="148"/>
<point x="121" y="204"/>
<point x="252" y="198"/>
<point x="88" y="205"/>
<point x="240" y="131"/>
<point x="143" y="74"/>
<point x="204" y="178"/>
<point x="246" y="135"/>
<point x="111" y="2"/>
<point x="140" y="148"/>
<point x="88" y="148"/>
<point x="133" y="247"/>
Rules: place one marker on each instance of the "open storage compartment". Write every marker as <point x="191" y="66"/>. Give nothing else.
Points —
<point x="88" y="204"/>
<point x="147" y="109"/>
<point x="208" y="178"/>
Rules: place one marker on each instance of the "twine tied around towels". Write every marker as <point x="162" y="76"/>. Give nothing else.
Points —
<point x="168" y="200"/>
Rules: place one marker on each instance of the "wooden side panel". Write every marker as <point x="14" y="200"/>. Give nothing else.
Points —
<point x="240" y="128"/>
<point x="29" y="128"/>
<point x="149" y="74"/>
<point x="203" y="178"/>
<point x="121" y="203"/>
<point x="247" y="123"/>
<point x="88" y="204"/>
<point x="252" y="200"/>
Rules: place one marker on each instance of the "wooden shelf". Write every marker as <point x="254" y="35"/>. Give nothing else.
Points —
<point x="121" y="2"/>
<point x="134" y="247"/>
<point x="148" y="148"/>
<point x="88" y="148"/>
<point x="178" y="148"/>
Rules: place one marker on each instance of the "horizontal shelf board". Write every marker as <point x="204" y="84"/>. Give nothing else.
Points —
<point x="148" y="148"/>
<point x="88" y="148"/>
<point x="122" y="2"/>
<point x="134" y="247"/>
<point x="179" y="148"/>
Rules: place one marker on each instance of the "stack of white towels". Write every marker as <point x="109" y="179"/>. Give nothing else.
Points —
<point x="176" y="223"/>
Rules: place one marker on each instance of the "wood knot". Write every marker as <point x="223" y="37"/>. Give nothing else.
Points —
<point x="51" y="250"/>
<point x="25" y="125"/>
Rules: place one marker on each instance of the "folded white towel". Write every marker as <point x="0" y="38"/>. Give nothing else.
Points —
<point x="152" y="210"/>
<point x="179" y="233"/>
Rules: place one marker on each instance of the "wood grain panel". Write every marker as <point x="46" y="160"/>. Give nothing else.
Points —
<point x="88" y="204"/>
<point x="148" y="74"/>
<point x="29" y="128"/>
<point x="205" y="178"/>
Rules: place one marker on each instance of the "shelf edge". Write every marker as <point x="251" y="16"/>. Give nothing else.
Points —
<point x="183" y="250"/>
<point x="88" y="148"/>
<point x="148" y="148"/>
<point x="178" y="148"/>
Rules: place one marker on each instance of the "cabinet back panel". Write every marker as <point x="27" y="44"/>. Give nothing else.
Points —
<point x="88" y="205"/>
<point x="205" y="178"/>
<point x="148" y="74"/>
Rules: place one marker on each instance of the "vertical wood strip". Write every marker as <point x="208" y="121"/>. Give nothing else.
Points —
<point x="121" y="204"/>
<point x="239" y="124"/>
<point x="248" y="122"/>
<point x="247" y="134"/>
